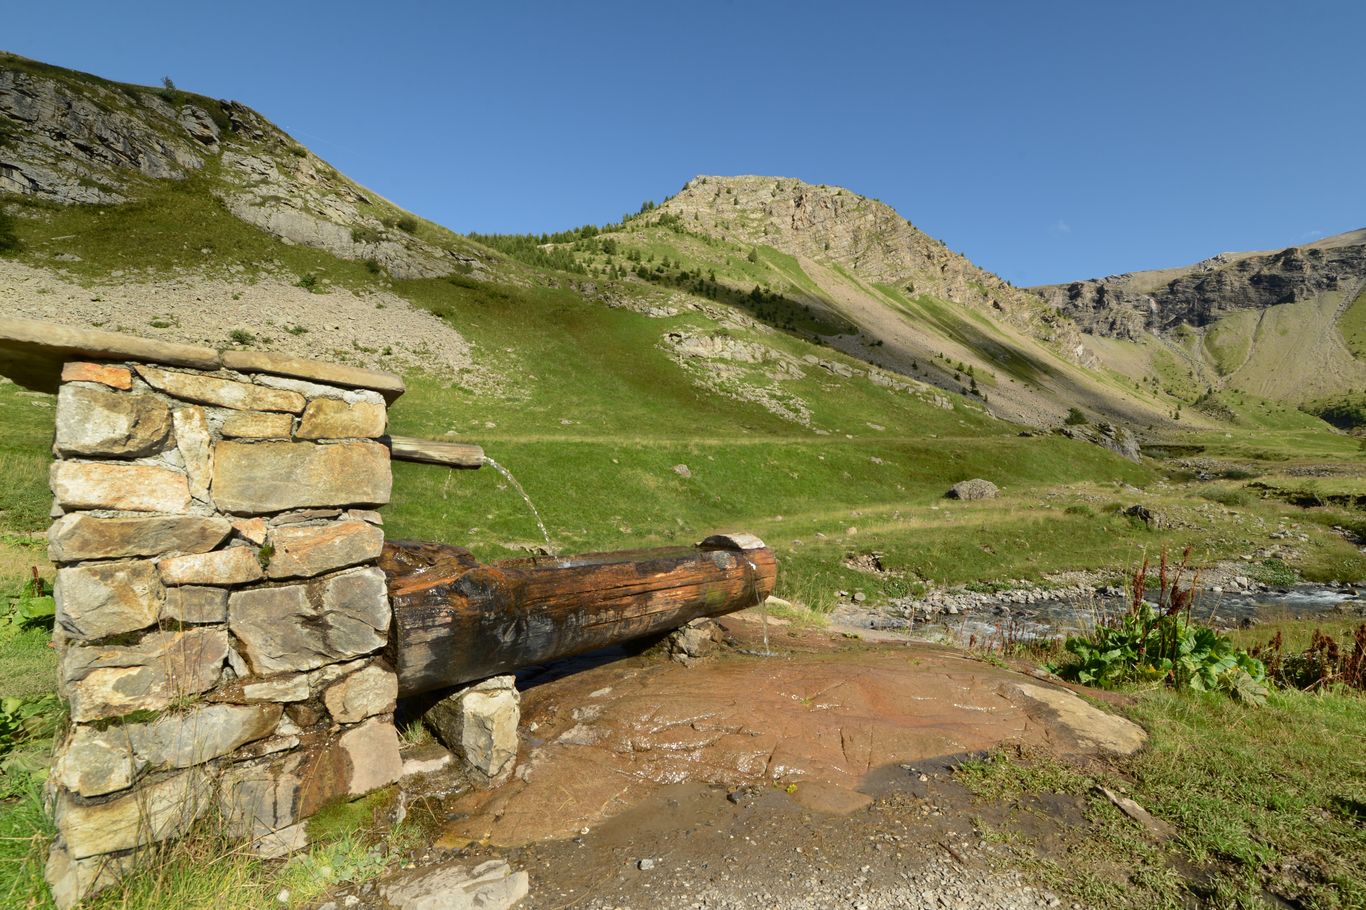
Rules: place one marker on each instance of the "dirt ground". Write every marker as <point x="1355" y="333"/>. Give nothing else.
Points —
<point x="820" y="776"/>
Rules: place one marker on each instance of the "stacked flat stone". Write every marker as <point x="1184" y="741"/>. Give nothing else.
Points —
<point x="219" y="609"/>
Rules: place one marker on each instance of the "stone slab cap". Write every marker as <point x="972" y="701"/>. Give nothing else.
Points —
<point x="387" y="384"/>
<point x="32" y="352"/>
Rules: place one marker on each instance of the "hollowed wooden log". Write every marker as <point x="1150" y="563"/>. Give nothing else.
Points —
<point x="456" y="620"/>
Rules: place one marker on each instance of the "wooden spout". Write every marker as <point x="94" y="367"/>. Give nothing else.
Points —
<point x="429" y="451"/>
<point x="456" y="621"/>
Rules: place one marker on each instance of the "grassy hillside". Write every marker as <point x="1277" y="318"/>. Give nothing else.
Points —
<point x="874" y="287"/>
<point x="822" y="386"/>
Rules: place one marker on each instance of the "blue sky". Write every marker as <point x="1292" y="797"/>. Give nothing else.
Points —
<point x="1045" y="140"/>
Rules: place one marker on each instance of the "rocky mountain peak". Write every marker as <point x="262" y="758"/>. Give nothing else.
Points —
<point x="830" y="224"/>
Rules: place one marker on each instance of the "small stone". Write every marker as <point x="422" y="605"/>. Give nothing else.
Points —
<point x="303" y="516"/>
<point x="372" y="752"/>
<point x="426" y="759"/>
<point x="97" y="600"/>
<point x="122" y="487"/>
<point x="332" y="418"/>
<point x="79" y="536"/>
<point x="281" y="842"/>
<point x="97" y="422"/>
<point x="369" y="515"/>
<point x="479" y="724"/>
<point x="120" y="378"/>
<point x="698" y="639"/>
<point x="373" y="690"/>
<point x="193" y="604"/>
<point x="195" y="443"/>
<point x="490" y="886"/>
<point x="253" y="529"/>
<point x="259" y="797"/>
<point x="645" y="865"/>
<point x="93" y="763"/>
<point x="255" y="478"/>
<point x="683" y="471"/>
<point x="226" y="393"/>
<point x="278" y="689"/>
<point x="357" y="383"/>
<point x="303" y="552"/>
<point x="73" y="880"/>
<point x="258" y="425"/>
<point x="233" y="566"/>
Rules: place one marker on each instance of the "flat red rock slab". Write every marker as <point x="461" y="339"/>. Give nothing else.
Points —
<point x="599" y="741"/>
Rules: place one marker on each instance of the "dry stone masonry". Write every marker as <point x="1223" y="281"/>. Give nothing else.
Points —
<point x="220" y="612"/>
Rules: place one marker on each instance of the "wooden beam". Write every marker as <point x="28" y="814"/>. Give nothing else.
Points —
<point x="429" y="451"/>
<point x="456" y="621"/>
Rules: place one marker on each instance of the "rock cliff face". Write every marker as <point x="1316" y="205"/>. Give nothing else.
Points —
<point x="75" y="139"/>
<point x="863" y="235"/>
<point x="90" y="145"/>
<point x="1125" y="306"/>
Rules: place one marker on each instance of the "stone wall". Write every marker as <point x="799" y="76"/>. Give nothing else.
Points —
<point x="219" y="610"/>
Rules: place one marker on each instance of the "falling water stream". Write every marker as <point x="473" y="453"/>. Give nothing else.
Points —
<point x="535" y="513"/>
<point x="762" y="603"/>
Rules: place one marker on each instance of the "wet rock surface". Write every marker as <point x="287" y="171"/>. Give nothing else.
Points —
<point x="820" y="777"/>
<point x="608" y="737"/>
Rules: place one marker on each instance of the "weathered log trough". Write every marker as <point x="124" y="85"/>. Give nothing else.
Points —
<point x="456" y="621"/>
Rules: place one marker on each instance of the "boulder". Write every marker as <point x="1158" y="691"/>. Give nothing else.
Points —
<point x="302" y="627"/>
<point x="973" y="489"/>
<point x="479" y="724"/>
<point x="81" y="535"/>
<point x="98" y="422"/>
<point x="100" y="599"/>
<point x="122" y="487"/>
<point x="225" y="393"/>
<point x="309" y="550"/>
<point x="256" y="478"/>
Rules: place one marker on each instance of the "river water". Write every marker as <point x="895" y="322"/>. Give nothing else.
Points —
<point x="1059" y="618"/>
